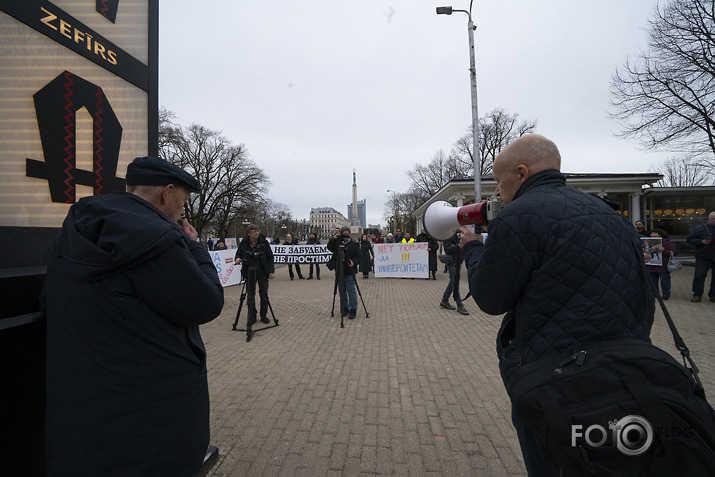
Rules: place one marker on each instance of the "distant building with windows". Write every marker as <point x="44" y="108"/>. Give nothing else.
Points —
<point x="360" y="213"/>
<point x="324" y="220"/>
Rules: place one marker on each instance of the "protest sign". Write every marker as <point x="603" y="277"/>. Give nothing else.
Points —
<point x="652" y="250"/>
<point x="229" y="273"/>
<point x="300" y="254"/>
<point x="409" y="260"/>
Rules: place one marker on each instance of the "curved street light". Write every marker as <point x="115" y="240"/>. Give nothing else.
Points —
<point x="475" y="112"/>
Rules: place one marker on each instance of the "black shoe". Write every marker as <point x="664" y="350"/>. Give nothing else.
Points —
<point x="446" y="305"/>
<point x="462" y="310"/>
<point x="310" y="278"/>
<point x="665" y="297"/>
<point x="291" y="278"/>
<point x="434" y="277"/>
<point x="364" y="277"/>
<point x="427" y="278"/>
<point x="264" y="319"/>
<point x="353" y="313"/>
<point x="251" y="320"/>
<point x="318" y="278"/>
<point x="345" y="312"/>
<point x="302" y="278"/>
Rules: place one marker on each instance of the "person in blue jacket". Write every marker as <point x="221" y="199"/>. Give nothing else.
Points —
<point x="127" y="287"/>
<point x="563" y="266"/>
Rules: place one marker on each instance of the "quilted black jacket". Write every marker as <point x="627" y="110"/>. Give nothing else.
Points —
<point x="565" y="269"/>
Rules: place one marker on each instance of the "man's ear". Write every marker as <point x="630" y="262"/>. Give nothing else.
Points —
<point x="523" y="171"/>
<point x="165" y="192"/>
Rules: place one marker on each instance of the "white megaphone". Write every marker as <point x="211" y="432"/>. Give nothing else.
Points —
<point x="441" y="219"/>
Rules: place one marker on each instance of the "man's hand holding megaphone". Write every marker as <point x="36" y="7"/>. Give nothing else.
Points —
<point x="466" y="235"/>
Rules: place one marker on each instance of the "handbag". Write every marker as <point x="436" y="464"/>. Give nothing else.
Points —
<point x="673" y="264"/>
<point x="621" y="407"/>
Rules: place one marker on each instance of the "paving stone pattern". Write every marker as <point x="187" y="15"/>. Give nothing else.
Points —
<point x="413" y="390"/>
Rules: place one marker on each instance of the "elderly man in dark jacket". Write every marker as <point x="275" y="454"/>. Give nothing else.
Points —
<point x="562" y="265"/>
<point x="127" y="287"/>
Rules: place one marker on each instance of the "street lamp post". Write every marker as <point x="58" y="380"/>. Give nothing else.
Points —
<point x="475" y="112"/>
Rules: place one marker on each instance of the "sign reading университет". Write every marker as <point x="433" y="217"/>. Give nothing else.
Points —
<point x="408" y="260"/>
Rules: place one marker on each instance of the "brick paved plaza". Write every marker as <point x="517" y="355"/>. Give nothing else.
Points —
<point x="413" y="390"/>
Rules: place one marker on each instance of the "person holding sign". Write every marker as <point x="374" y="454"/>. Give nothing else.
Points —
<point x="313" y="240"/>
<point x="293" y="241"/>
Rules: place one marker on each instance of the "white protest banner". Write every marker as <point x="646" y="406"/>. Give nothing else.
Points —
<point x="228" y="272"/>
<point x="301" y="254"/>
<point x="401" y="260"/>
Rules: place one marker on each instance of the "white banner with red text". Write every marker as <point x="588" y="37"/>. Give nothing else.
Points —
<point x="408" y="260"/>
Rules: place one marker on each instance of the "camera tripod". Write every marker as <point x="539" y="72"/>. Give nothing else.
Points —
<point x="250" y="283"/>
<point x="339" y="282"/>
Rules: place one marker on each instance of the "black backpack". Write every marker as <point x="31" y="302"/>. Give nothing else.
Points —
<point x="622" y="407"/>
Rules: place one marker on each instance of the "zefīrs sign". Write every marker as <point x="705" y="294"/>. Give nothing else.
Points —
<point x="78" y="102"/>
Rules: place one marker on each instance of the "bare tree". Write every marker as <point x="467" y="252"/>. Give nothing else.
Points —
<point x="398" y="211"/>
<point x="229" y="179"/>
<point x="427" y="180"/>
<point x="496" y="130"/>
<point x="681" y="173"/>
<point x="665" y="97"/>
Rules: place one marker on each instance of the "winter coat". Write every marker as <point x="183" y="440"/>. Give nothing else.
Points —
<point x="452" y="248"/>
<point x="127" y="393"/>
<point x="352" y="252"/>
<point x="696" y="237"/>
<point x="432" y="246"/>
<point x="564" y="267"/>
<point x="366" y="256"/>
<point x="264" y="257"/>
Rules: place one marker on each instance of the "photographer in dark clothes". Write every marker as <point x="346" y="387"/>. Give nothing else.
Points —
<point x="255" y="251"/>
<point x="346" y="249"/>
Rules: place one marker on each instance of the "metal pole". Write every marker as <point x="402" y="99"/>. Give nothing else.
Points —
<point x="475" y="116"/>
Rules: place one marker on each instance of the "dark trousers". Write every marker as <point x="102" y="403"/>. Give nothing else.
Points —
<point x="262" y="281"/>
<point x="297" y="270"/>
<point x="664" y="278"/>
<point x="701" y="273"/>
<point x="453" y="285"/>
<point x="317" y="270"/>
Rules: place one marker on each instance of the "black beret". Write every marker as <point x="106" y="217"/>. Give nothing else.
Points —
<point x="156" y="171"/>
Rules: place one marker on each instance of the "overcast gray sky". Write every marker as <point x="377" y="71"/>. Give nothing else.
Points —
<point x="315" y="88"/>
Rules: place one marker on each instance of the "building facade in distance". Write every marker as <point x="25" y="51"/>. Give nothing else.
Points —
<point x="324" y="220"/>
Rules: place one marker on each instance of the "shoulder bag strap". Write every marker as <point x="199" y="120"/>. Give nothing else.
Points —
<point x="679" y="343"/>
